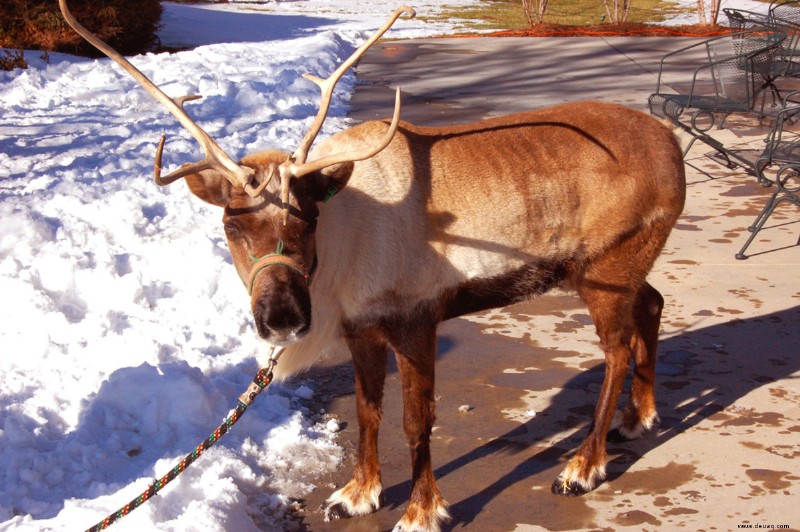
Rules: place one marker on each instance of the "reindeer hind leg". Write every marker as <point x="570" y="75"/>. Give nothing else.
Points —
<point x="640" y="413"/>
<point x="626" y="312"/>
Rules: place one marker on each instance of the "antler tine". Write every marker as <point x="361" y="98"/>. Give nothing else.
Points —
<point x="184" y="170"/>
<point x="299" y="170"/>
<point x="327" y="85"/>
<point x="215" y="156"/>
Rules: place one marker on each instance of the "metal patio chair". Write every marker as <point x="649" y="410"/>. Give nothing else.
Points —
<point x="786" y="60"/>
<point x="733" y="71"/>
<point x="788" y="15"/>
<point x="782" y="145"/>
<point x="787" y="189"/>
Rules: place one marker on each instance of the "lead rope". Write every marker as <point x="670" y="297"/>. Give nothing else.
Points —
<point x="262" y="379"/>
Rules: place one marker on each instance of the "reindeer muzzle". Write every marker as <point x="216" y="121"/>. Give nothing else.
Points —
<point x="273" y="259"/>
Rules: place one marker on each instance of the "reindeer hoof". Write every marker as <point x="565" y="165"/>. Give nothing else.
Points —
<point x="616" y="436"/>
<point x="578" y="478"/>
<point x="418" y="520"/>
<point x="334" y="509"/>
<point x="627" y="426"/>
<point x="568" y="489"/>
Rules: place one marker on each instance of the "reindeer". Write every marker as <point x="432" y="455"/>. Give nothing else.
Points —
<point x="425" y="224"/>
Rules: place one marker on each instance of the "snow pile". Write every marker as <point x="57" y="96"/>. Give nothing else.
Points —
<point x="126" y="335"/>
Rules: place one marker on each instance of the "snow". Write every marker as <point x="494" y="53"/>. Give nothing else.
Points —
<point x="126" y="335"/>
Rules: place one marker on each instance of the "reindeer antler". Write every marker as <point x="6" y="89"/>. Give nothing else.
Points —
<point x="299" y="170"/>
<point x="239" y="176"/>
<point x="327" y="85"/>
<point x="216" y="158"/>
<point x="296" y="165"/>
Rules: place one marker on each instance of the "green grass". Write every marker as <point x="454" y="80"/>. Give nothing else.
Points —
<point x="508" y="14"/>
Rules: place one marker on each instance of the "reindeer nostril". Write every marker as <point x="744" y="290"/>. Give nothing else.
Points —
<point x="282" y="317"/>
<point x="282" y="321"/>
<point x="303" y="329"/>
<point x="261" y="315"/>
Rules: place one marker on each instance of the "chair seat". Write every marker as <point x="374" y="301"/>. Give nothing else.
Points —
<point x="789" y="68"/>
<point x="672" y="105"/>
<point x="785" y="152"/>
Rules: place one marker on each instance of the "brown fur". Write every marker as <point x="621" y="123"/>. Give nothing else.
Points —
<point x="451" y="220"/>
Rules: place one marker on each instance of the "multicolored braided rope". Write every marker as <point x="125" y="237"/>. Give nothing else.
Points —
<point x="260" y="381"/>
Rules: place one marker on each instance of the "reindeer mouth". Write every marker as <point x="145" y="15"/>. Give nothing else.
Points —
<point x="282" y="313"/>
<point x="283" y="343"/>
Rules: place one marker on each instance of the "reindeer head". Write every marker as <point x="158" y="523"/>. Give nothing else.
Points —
<point x="271" y="238"/>
<point x="269" y="223"/>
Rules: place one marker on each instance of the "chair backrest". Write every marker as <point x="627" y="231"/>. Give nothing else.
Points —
<point x="787" y="15"/>
<point x="742" y="20"/>
<point x="779" y="148"/>
<point x="786" y="11"/>
<point x="740" y="63"/>
<point x="783" y="16"/>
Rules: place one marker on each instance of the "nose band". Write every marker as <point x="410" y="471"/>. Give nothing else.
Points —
<point x="269" y="260"/>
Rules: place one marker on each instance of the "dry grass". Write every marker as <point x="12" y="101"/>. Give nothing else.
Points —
<point x="509" y="15"/>
<point x="627" y="29"/>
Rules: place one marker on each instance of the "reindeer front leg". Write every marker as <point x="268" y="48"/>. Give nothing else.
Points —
<point x="416" y="356"/>
<point x="364" y="493"/>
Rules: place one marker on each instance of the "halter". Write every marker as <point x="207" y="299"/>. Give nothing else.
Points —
<point x="273" y="259"/>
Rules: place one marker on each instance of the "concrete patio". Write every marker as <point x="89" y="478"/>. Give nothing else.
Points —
<point x="726" y="452"/>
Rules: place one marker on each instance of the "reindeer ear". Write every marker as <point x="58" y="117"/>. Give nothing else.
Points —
<point x="330" y="180"/>
<point x="211" y="187"/>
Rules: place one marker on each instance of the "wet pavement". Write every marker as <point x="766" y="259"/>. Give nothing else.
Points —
<point x="727" y="449"/>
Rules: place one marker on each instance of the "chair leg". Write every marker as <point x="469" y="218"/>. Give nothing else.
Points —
<point x="689" y="146"/>
<point x="722" y="122"/>
<point x="759" y="222"/>
<point x="698" y="132"/>
<point x="711" y="142"/>
<point x="781" y="194"/>
<point x="760" y="166"/>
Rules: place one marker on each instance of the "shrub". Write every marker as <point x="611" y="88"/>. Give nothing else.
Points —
<point x="128" y="26"/>
<point x="11" y="59"/>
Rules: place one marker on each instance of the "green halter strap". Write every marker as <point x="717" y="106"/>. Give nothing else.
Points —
<point x="269" y="260"/>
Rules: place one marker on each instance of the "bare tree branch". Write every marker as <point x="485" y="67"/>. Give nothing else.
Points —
<point x="712" y="10"/>
<point x="534" y="9"/>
